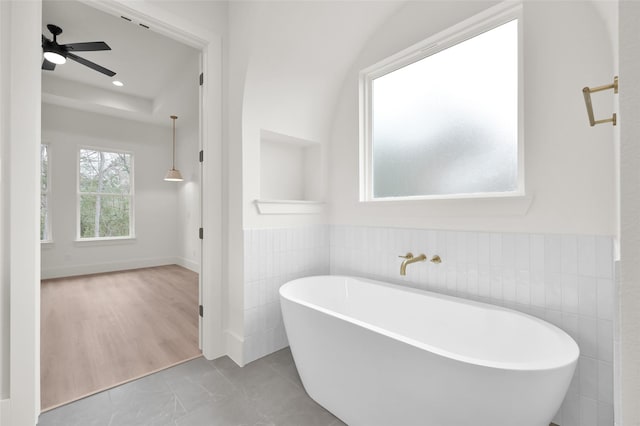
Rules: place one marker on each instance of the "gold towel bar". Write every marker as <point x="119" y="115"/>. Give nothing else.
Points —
<point x="587" y="91"/>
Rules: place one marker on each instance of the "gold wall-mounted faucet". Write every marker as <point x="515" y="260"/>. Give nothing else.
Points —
<point x="409" y="258"/>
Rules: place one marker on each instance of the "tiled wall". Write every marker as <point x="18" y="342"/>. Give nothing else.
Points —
<point x="273" y="257"/>
<point x="564" y="279"/>
<point x="617" y="378"/>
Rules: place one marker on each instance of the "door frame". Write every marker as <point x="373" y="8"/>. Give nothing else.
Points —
<point x="24" y="246"/>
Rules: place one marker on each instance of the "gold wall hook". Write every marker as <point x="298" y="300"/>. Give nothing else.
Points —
<point x="436" y="259"/>
<point x="587" y="91"/>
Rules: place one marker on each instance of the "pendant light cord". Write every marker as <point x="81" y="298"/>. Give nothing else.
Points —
<point x="173" y="163"/>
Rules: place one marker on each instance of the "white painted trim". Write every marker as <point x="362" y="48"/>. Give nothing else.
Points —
<point x="213" y="344"/>
<point x="159" y="20"/>
<point x="108" y="241"/>
<point x="23" y="243"/>
<point x="235" y="345"/>
<point x="188" y="264"/>
<point x="5" y="412"/>
<point x="98" y="268"/>
<point x="289" y="206"/>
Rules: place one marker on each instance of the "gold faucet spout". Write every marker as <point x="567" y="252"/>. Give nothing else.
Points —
<point x="409" y="258"/>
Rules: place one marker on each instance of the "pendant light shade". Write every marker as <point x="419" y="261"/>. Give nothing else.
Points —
<point x="174" y="175"/>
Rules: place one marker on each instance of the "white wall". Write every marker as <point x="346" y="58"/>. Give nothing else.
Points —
<point x="629" y="292"/>
<point x="209" y="15"/>
<point x="155" y="201"/>
<point x="295" y="58"/>
<point x="185" y="92"/>
<point x="188" y="219"/>
<point x="286" y="65"/>
<point x="281" y="171"/>
<point x="569" y="168"/>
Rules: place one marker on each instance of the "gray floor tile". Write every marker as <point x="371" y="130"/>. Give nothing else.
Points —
<point x="196" y="391"/>
<point x="153" y="408"/>
<point x="267" y="392"/>
<point x="94" y="410"/>
<point x="238" y="411"/>
<point x="300" y="411"/>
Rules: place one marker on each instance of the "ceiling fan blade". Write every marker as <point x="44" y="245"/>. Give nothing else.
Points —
<point x="90" y="46"/>
<point x="48" y="66"/>
<point x="90" y="64"/>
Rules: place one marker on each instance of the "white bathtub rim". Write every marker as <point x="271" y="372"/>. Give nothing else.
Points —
<point x="499" y="365"/>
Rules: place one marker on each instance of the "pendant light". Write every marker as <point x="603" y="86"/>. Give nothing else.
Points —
<point x="174" y="175"/>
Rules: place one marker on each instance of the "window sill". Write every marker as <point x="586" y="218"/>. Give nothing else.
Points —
<point x="104" y="241"/>
<point x="477" y="206"/>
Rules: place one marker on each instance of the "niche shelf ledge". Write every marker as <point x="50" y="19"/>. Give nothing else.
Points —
<point x="289" y="206"/>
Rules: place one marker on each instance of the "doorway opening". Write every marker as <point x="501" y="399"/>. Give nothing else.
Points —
<point x="121" y="255"/>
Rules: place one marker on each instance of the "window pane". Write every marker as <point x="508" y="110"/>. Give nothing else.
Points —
<point x="44" y="219"/>
<point x="104" y="216"/>
<point x="448" y="124"/>
<point x="105" y="172"/>
<point x="44" y="167"/>
<point x="44" y="196"/>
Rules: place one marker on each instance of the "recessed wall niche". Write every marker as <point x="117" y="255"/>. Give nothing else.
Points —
<point x="290" y="175"/>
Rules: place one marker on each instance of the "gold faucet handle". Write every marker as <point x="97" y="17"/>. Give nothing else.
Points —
<point x="436" y="259"/>
<point x="409" y="255"/>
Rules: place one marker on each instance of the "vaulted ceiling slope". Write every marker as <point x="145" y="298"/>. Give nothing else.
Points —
<point x="159" y="74"/>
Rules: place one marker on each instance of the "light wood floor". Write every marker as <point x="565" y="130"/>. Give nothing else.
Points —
<point x="98" y="331"/>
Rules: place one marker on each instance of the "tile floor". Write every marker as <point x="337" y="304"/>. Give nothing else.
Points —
<point x="202" y="393"/>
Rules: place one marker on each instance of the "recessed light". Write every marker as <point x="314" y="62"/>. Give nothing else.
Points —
<point x="118" y="83"/>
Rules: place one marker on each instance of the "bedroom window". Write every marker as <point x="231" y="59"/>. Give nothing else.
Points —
<point x="442" y="119"/>
<point x="105" y="194"/>
<point x="45" y="190"/>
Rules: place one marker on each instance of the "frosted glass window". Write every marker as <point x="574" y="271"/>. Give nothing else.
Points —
<point x="448" y="123"/>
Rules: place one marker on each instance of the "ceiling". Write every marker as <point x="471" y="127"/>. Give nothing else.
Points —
<point x="160" y="75"/>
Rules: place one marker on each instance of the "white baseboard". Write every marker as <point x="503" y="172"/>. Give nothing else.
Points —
<point x="97" y="268"/>
<point x="5" y="412"/>
<point x="189" y="264"/>
<point x="235" y="345"/>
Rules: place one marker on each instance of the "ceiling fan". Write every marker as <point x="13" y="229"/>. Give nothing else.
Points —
<point x="56" y="54"/>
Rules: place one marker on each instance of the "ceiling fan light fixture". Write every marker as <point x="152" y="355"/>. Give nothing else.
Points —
<point x="55" y="57"/>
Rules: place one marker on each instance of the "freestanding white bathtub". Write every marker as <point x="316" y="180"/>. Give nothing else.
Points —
<point x="379" y="354"/>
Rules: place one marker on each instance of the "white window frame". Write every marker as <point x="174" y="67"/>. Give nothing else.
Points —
<point x="131" y="235"/>
<point x="49" y="240"/>
<point x="465" y="30"/>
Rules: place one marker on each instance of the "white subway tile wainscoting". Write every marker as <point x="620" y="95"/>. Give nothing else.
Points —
<point x="272" y="258"/>
<point x="567" y="280"/>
